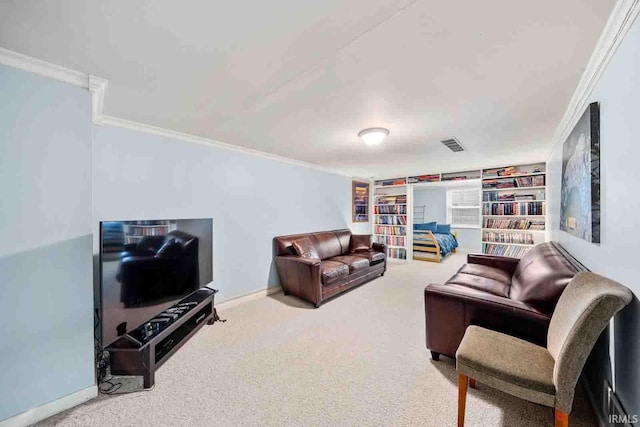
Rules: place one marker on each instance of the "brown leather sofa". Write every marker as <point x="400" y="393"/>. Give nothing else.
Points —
<point x="509" y="295"/>
<point x="341" y="265"/>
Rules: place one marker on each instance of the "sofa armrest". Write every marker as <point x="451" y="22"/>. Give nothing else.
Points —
<point x="380" y="247"/>
<point x="450" y="309"/>
<point x="300" y="277"/>
<point x="506" y="264"/>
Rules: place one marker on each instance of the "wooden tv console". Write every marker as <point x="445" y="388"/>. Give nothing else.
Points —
<point x="141" y="353"/>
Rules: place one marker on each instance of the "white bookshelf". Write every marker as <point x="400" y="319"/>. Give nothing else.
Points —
<point x="391" y="218"/>
<point x="514" y="200"/>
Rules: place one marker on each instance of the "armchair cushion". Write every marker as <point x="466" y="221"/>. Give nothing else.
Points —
<point x="360" y="242"/>
<point x="500" y="361"/>
<point x="305" y="249"/>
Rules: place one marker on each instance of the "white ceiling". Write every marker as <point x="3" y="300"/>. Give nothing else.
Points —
<point x="300" y="78"/>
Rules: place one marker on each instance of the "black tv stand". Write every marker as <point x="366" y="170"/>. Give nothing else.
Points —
<point x="143" y="350"/>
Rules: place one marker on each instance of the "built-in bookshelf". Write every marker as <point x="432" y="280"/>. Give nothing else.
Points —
<point x="390" y="216"/>
<point x="513" y="209"/>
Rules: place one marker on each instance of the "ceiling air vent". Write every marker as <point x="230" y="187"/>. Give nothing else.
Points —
<point x="452" y="144"/>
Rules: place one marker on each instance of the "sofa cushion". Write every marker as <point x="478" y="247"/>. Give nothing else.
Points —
<point x="541" y="276"/>
<point x="305" y="249"/>
<point x="360" y="242"/>
<point x="327" y="244"/>
<point x="483" y="278"/>
<point x="344" y="237"/>
<point x="486" y="271"/>
<point x="370" y="254"/>
<point x="355" y="263"/>
<point x="331" y="271"/>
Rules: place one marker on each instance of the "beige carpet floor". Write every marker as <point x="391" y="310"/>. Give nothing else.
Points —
<point x="358" y="360"/>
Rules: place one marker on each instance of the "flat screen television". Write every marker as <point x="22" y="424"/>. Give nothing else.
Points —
<point x="147" y="266"/>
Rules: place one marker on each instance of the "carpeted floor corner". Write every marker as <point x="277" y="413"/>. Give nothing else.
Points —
<point x="360" y="359"/>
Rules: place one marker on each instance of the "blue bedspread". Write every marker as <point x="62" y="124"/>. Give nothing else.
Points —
<point x="447" y="242"/>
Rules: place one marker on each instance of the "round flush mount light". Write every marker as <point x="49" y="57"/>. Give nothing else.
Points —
<point x="373" y="136"/>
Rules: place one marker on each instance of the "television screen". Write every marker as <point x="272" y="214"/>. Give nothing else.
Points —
<point x="147" y="266"/>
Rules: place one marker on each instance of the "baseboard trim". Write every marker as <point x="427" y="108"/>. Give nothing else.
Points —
<point x="233" y="302"/>
<point x="592" y="402"/>
<point x="39" y="413"/>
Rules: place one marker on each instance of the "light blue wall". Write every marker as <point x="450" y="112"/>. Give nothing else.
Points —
<point x="251" y="199"/>
<point x="46" y="293"/>
<point x="435" y="200"/>
<point x="618" y="92"/>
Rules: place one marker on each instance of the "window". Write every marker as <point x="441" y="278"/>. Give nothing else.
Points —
<point x="463" y="207"/>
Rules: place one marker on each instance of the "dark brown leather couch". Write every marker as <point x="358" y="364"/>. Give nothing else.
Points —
<point x="509" y="295"/>
<point x="338" y="268"/>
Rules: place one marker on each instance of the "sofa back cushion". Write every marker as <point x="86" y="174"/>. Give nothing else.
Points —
<point x="327" y="244"/>
<point x="541" y="276"/>
<point x="344" y="236"/>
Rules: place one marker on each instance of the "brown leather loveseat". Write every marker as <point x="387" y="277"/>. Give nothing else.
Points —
<point x="317" y="266"/>
<point x="509" y="295"/>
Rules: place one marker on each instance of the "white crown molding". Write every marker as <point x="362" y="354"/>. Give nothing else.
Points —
<point x="141" y="127"/>
<point x="621" y="19"/>
<point x="97" y="87"/>
<point x="39" y="413"/>
<point x="43" y="68"/>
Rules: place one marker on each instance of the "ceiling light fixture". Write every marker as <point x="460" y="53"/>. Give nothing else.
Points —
<point x="373" y="136"/>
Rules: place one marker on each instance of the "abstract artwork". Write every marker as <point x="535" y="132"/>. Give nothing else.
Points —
<point x="580" y="192"/>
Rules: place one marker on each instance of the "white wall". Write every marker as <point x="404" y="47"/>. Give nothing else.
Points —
<point x="618" y="92"/>
<point x="251" y="199"/>
<point x="46" y="292"/>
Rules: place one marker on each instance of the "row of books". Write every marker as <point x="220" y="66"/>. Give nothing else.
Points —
<point x="391" y="230"/>
<point x="497" y="237"/>
<point x="515" y="208"/>
<point x="424" y="178"/>
<point x="391" y="240"/>
<point x="160" y="230"/>
<point x="518" y="182"/>
<point x="393" y="210"/>
<point x="395" y="181"/>
<point x="397" y="253"/>
<point x="494" y="196"/>
<point x="400" y="199"/>
<point x="505" y="250"/>
<point x="513" y="224"/>
<point x="391" y="219"/>
<point x="510" y="170"/>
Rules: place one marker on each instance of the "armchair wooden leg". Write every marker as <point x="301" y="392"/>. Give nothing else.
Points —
<point x="562" y="418"/>
<point x="463" y="381"/>
<point x="472" y="382"/>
